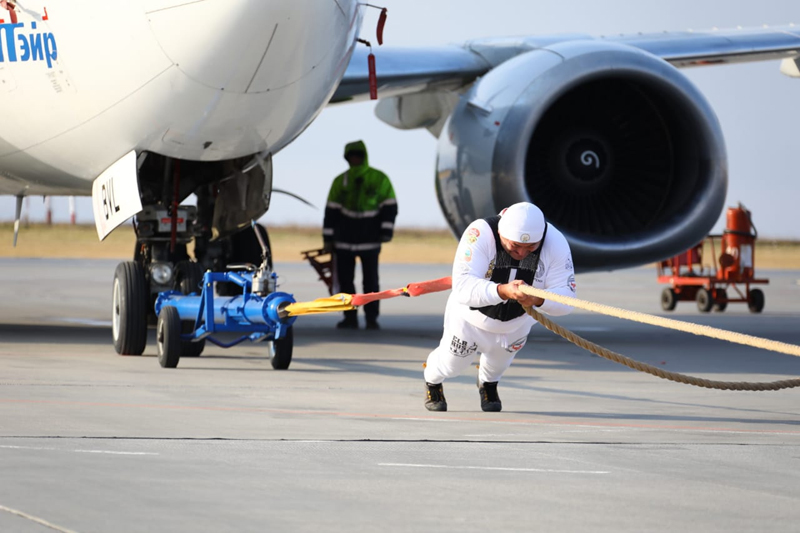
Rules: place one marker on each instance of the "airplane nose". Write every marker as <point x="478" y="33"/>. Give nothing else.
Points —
<point x="243" y="46"/>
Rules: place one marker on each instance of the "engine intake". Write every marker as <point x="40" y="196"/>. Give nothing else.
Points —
<point x="621" y="152"/>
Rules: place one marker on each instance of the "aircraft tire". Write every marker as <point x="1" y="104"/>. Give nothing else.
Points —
<point x="168" y="337"/>
<point x="129" y="309"/>
<point x="281" y="351"/>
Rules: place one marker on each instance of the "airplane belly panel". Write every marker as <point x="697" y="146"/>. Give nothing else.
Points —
<point x="247" y="46"/>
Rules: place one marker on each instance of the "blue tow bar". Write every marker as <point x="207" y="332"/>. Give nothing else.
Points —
<point x="258" y="317"/>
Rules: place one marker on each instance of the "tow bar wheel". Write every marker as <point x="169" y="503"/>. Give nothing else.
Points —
<point x="129" y="309"/>
<point x="168" y="337"/>
<point x="280" y="351"/>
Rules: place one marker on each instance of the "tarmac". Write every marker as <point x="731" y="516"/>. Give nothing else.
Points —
<point x="95" y="442"/>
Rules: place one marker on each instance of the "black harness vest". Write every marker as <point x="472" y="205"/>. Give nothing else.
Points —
<point x="503" y="263"/>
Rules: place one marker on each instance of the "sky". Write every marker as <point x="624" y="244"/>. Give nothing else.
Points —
<point x="755" y="103"/>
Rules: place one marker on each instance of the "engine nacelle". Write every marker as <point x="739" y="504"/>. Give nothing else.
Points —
<point x="618" y="148"/>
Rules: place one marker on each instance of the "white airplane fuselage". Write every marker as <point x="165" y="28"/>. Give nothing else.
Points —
<point x="83" y="83"/>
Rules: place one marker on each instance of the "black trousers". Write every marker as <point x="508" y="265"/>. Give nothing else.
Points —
<point x="346" y="272"/>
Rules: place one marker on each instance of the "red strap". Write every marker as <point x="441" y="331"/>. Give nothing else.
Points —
<point x="412" y="289"/>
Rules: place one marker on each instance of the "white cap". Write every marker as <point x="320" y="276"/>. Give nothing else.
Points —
<point x="522" y="222"/>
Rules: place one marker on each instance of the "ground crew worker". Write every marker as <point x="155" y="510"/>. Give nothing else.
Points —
<point x="359" y="217"/>
<point x="484" y="312"/>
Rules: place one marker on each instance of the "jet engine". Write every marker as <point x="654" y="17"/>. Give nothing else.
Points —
<point x="618" y="148"/>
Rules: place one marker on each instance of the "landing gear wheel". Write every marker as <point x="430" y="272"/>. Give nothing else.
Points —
<point x="168" y="337"/>
<point x="755" y="302"/>
<point x="721" y="300"/>
<point x="668" y="300"/>
<point x="704" y="300"/>
<point x="129" y="309"/>
<point x="188" y="277"/>
<point x="281" y="351"/>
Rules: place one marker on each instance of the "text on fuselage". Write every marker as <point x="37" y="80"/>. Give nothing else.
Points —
<point x="16" y="44"/>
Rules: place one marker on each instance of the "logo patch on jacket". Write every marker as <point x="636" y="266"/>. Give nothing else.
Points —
<point x="571" y="283"/>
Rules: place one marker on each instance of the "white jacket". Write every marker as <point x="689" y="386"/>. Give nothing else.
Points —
<point x="472" y="270"/>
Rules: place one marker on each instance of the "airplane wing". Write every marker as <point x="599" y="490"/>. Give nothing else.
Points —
<point x="406" y="71"/>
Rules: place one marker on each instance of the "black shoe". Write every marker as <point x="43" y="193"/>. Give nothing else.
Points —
<point x="373" y="324"/>
<point x="347" y="324"/>
<point x="435" y="400"/>
<point x="490" y="401"/>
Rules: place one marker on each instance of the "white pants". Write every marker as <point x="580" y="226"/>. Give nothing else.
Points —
<point x="461" y="341"/>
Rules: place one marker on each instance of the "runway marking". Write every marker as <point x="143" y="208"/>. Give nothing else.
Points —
<point x="497" y="468"/>
<point x="109" y="452"/>
<point x="32" y="518"/>
<point x="441" y="418"/>
<point x="86" y="321"/>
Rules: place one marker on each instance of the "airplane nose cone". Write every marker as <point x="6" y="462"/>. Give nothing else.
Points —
<point x="244" y="46"/>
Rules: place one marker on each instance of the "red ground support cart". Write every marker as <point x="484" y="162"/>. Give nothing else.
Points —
<point x="691" y="279"/>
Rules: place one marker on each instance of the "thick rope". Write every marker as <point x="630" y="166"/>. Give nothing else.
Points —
<point x="649" y="319"/>
<point x="696" y="329"/>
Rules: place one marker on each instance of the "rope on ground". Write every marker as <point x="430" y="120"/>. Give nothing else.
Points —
<point x="649" y="319"/>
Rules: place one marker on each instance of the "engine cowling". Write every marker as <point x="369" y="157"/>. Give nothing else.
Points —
<point x="618" y="148"/>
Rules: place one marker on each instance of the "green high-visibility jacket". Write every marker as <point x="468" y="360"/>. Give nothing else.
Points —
<point x="361" y="207"/>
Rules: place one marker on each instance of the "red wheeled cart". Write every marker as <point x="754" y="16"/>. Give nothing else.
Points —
<point x="708" y="285"/>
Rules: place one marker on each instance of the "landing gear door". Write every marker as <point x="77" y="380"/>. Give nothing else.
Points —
<point x="115" y="195"/>
<point x="242" y="197"/>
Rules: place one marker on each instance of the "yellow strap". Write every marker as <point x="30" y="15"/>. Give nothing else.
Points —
<point x="331" y="304"/>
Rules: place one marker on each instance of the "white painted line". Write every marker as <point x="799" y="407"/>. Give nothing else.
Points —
<point x="497" y="468"/>
<point x="75" y="451"/>
<point x="32" y="518"/>
<point x="86" y="321"/>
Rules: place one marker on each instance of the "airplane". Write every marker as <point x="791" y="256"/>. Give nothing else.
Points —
<point x="141" y="103"/>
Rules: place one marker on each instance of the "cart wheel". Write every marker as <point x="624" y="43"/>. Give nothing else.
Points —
<point x="188" y="277"/>
<point x="129" y="309"/>
<point x="168" y="337"/>
<point x="720" y="306"/>
<point x="756" y="301"/>
<point x="704" y="300"/>
<point x="281" y="351"/>
<point x="668" y="300"/>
